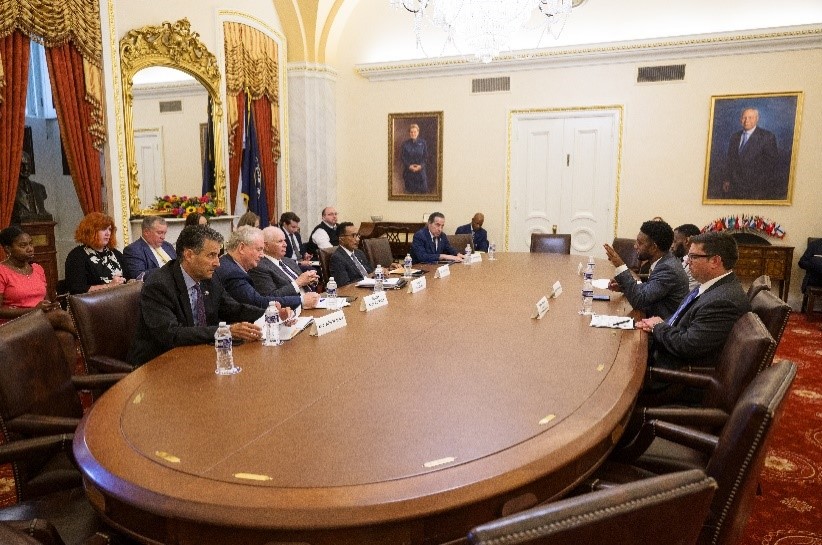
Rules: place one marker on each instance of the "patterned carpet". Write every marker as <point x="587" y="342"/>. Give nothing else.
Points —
<point x="789" y="511"/>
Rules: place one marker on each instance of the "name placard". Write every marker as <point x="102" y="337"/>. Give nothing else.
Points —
<point x="541" y="308"/>
<point x="442" y="271"/>
<point x="328" y="323"/>
<point x="418" y="284"/>
<point x="375" y="300"/>
<point x="476" y="257"/>
<point x="556" y="289"/>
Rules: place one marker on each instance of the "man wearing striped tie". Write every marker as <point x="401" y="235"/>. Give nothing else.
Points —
<point x="279" y="275"/>
<point x="148" y="252"/>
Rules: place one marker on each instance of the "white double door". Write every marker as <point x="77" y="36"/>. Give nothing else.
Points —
<point x="564" y="177"/>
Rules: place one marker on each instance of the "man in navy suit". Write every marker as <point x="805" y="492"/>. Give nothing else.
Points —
<point x="475" y="229"/>
<point x="278" y="275"/>
<point x="752" y="157"/>
<point x="149" y="251"/>
<point x="430" y="245"/>
<point x="348" y="264"/>
<point x="294" y="247"/>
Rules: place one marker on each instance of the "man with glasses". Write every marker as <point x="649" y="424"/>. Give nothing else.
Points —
<point x="667" y="282"/>
<point x="696" y="332"/>
<point x="347" y="263"/>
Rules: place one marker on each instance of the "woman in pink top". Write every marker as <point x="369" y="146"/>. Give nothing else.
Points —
<point x="23" y="283"/>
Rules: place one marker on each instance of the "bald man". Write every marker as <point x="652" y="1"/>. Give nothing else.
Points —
<point x="475" y="229"/>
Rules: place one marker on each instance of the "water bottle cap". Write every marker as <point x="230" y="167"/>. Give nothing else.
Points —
<point x="272" y="304"/>
<point x="222" y="324"/>
<point x="331" y="279"/>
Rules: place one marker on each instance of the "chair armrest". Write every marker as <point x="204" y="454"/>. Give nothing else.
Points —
<point x="106" y="364"/>
<point x="693" y="417"/>
<point x="38" y="425"/>
<point x="96" y="382"/>
<point x="26" y="448"/>
<point x="694" y="380"/>
<point x="697" y="440"/>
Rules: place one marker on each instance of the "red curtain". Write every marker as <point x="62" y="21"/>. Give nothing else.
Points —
<point x="14" y="49"/>
<point x="262" y="116"/>
<point x="235" y="157"/>
<point x="74" y="116"/>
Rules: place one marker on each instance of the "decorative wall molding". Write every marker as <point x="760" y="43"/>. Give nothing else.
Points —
<point x="703" y="45"/>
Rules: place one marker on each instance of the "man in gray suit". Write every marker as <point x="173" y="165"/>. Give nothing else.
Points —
<point x="667" y="282"/>
<point x="281" y="276"/>
<point x="698" y="329"/>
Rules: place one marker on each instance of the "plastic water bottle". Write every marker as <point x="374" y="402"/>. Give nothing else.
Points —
<point x="588" y="288"/>
<point x="491" y="249"/>
<point x="379" y="278"/>
<point x="331" y="293"/>
<point x="467" y="254"/>
<point x="223" y="346"/>
<point x="272" y="326"/>
<point x="406" y="266"/>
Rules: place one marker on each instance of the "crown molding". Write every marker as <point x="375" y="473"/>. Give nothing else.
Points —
<point x="682" y="47"/>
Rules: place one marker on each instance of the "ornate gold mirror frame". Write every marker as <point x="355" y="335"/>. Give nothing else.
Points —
<point x="172" y="45"/>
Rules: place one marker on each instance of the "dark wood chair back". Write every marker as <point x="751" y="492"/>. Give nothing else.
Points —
<point x="325" y="258"/>
<point x="625" y="248"/>
<point x="378" y="251"/>
<point x="548" y="243"/>
<point x="459" y="242"/>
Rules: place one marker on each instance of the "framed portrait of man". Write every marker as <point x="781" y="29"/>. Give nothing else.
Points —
<point x="752" y="145"/>
<point x="415" y="156"/>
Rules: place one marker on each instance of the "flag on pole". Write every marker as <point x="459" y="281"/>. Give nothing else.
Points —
<point x="251" y="195"/>
<point x="208" y="159"/>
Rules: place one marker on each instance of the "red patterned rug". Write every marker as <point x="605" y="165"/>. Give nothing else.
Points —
<point x="789" y="511"/>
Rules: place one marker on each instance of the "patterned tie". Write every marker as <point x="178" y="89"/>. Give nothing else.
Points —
<point x="685" y="304"/>
<point x="200" y="317"/>
<point x="288" y="272"/>
<point x="360" y="266"/>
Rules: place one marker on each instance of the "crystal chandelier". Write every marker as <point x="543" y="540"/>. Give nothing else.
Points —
<point x="486" y="26"/>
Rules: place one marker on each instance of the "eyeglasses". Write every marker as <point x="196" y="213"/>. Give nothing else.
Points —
<point x="697" y="256"/>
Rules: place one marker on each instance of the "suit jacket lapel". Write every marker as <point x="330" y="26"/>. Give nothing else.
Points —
<point x="182" y="294"/>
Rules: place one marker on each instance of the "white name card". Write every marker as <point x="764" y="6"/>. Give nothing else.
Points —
<point x="556" y="290"/>
<point x="328" y="323"/>
<point x="541" y="308"/>
<point x="476" y="257"/>
<point x="442" y="271"/>
<point x="418" y="284"/>
<point x="375" y="300"/>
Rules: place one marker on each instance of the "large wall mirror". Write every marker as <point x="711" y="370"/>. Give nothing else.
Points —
<point x="169" y="76"/>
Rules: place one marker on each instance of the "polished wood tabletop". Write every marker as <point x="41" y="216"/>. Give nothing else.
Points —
<point x="447" y="408"/>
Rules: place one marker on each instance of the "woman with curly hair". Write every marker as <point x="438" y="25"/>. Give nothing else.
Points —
<point x="96" y="263"/>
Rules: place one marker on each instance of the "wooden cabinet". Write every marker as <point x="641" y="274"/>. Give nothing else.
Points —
<point x="399" y="234"/>
<point x="775" y="261"/>
<point x="45" y="252"/>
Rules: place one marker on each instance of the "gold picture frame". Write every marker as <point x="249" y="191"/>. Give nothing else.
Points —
<point x="415" y="164"/>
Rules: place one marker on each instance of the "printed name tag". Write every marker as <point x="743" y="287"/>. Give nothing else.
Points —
<point x="476" y="257"/>
<point x="541" y="308"/>
<point x="328" y="323"/>
<point x="557" y="289"/>
<point x="373" y="301"/>
<point x="418" y="284"/>
<point x="442" y="271"/>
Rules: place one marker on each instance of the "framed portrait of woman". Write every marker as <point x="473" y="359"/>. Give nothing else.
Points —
<point x="415" y="156"/>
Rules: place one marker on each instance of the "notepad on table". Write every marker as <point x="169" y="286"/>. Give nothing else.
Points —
<point x="613" y="322"/>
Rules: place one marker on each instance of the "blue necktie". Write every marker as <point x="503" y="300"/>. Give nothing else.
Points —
<point x="685" y="303"/>
<point x="743" y="141"/>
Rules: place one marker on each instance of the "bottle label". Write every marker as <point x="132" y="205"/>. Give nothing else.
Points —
<point x="223" y="344"/>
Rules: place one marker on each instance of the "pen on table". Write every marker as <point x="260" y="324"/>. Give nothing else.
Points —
<point x="622" y="322"/>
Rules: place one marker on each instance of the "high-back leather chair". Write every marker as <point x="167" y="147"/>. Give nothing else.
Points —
<point x="547" y="243"/>
<point x="459" y="242"/>
<point x="664" y="510"/>
<point x="106" y="322"/>
<point x="760" y="283"/>
<point x="810" y="292"/>
<point x="378" y="251"/>
<point x="773" y="311"/>
<point x="325" y="258"/>
<point x="625" y="248"/>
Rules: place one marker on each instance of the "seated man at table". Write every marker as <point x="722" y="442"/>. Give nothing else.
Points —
<point x="667" y="283"/>
<point x="324" y="235"/>
<point x="430" y="245"/>
<point x="150" y="251"/>
<point x="278" y="275"/>
<point x="243" y="252"/>
<point x="348" y="264"/>
<point x="475" y="230"/>
<point x="181" y="304"/>
<point x="295" y="249"/>
<point x="697" y="330"/>
<point x="682" y="241"/>
<point x="811" y="261"/>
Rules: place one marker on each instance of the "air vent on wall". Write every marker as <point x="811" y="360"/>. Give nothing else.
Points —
<point x="491" y="85"/>
<point x="171" y="106"/>
<point x="671" y="72"/>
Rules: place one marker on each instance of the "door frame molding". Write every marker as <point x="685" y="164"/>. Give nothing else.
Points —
<point x="615" y="111"/>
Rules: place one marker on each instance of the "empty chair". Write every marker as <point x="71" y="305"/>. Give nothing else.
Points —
<point x="625" y="248"/>
<point x="459" y="242"/>
<point x="773" y="311"/>
<point x="664" y="510"/>
<point x="548" y="243"/>
<point x="325" y="258"/>
<point x="378" y="251"/>
<point x="761" y="283"/>
<point x="106" y="322"/>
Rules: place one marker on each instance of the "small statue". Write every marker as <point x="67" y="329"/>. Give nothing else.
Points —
<point x="28" y="205"/>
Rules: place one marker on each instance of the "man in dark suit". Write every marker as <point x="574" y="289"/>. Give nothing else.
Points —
<point x="181" y="304"/>
<point x="243" y="252"/>
<point x="348" y="264"/>
<point x="751" y="168"/>
<point x="667" y="282"/>
<point x="475" y="230"/>
<point x="150" y="251"/>
<point x="294" y="247"/>
<point x="429" y="245"/>
<point x="697" y="331"/>
<point x="278" y="275"/>
<point x="811" y="261"/>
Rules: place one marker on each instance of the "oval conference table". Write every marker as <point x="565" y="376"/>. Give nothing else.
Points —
<point x="447" y="408"/>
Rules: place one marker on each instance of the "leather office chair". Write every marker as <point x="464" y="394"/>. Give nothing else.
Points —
<point x="378" y="251"/>
<point x="547" y="243"/>
<point x="811" y="292"/>
<point x="61" y="518"/>
<point x="761" y="283"/>
<point x="325" y="258"/>
<point x="625" y="248"/>
<point x="734" y="458"/>
<point x="664" y="510"/>
<point x="106" y="321"/>
<point x="773" y="311"/>
<point x="459" y="242"/>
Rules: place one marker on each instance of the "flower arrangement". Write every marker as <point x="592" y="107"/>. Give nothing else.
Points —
<point x="180" y="207"/>
<point x="746" y="223"/>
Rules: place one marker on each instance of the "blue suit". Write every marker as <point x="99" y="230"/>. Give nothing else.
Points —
<point x="423" y="250"/>
<point x="138" y="258"/>
<point x="238" y="284"/>
<point x="480" y="236"/>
